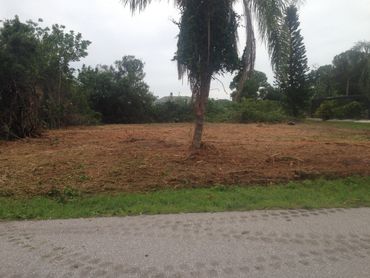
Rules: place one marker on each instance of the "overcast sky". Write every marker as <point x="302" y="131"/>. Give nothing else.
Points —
<point x="328" y="26"/>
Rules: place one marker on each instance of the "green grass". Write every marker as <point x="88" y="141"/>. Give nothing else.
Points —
<point x="349" y="192"/>
<point x="342" y="124"/>
<point x="364" y="126"/>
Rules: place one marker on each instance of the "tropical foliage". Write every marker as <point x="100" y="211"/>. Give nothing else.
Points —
<point x="37" y="87"/>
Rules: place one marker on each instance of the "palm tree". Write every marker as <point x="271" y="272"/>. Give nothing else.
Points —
<point x="207" y="43"/>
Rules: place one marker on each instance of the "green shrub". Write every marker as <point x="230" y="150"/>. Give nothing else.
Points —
<point x="261" y="111"/>
<point x="220" y="111"/>
<point x="325" y="110"/>
<point x="247" y="111"/>
<point x="173" y="111"/>
<point x="334" y="110"/>
<point x="352" y="110"/>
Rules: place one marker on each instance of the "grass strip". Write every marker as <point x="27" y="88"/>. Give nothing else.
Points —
<point x="342" y="124"/>
<point x="311" y="194"/>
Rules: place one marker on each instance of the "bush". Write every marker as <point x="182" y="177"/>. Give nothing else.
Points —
<point x="173" y="112"/>
<point x="325" y="110"/>
<point x="78" y="111"/>
<point x="220" y="111"/>
<point x="352" y="110"/>
<point x="261" y="111"/>
<point x="334" y="110"/>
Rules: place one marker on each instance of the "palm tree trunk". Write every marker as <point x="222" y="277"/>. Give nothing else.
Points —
<point x="347" y="87"/>
<point x="200" y="104"/>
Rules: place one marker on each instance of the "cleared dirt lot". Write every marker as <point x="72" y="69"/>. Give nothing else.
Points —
<point x="126" y="158"/>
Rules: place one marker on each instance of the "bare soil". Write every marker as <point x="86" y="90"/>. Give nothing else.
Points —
<point x="139" y="158"/>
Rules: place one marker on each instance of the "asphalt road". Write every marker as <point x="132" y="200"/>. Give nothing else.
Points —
<point x="293" y="243"/>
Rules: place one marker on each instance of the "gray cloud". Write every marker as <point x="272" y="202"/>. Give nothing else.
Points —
<point x="329" y="27"/>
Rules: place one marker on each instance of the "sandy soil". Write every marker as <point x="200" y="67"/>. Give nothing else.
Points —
<point x="127" y="158"/>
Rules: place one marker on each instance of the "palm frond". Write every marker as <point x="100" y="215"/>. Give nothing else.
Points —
<point x="268" y="15"/>
<point x="249" y="54"/>
<point x="136" y="4"/>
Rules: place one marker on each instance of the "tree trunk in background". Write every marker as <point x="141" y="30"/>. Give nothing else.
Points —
<point x="59" y="98"/>
<point x="347" y="88"/>
<point x="200" y="104"/>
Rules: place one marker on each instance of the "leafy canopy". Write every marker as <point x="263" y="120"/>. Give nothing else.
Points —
<point x="118" y="91"/>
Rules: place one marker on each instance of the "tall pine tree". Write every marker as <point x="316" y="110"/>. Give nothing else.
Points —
<point x="291" y="71"/>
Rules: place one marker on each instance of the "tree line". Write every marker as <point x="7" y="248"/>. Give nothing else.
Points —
<point x="339" y="90"/>
<point x="348" y="75"/>
<point x="37" y="84"/>
<point x="40" y="89"/>
<point x="342" y="89"/>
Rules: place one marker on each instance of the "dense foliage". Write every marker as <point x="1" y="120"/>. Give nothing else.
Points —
<point x="348" y="75"/>
<point x="173" y="111"/>
<point x="37" y="87"/>
<point x="118" y="92"/>
<point x="332" y="109"/>
<point x="19" y="77"/>
<point x="268" y="111"/>
<point x="40" y="89"/>
<point x="207" y="38"/>
<point x="248" y="110"/>
<point x="345" y="81"/>
<point x="256" y="86"/>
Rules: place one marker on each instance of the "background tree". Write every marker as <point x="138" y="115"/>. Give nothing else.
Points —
<point x="291" y="72"/>
<point x="118" y="92"/>
<point x="342" y="90"/>
<point x="37" y="86"/>
<point x="60" y="49"/>
<point x="19" y="76"/>
<point x="207" y="43"/>
<point x="348" y="75"/>
<point x="176" y="110"/>
<point x="322" y="82"/>
<point x="348" y="69"/>
<point x="251" y="86"/>
<point x="364" y="82"/>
